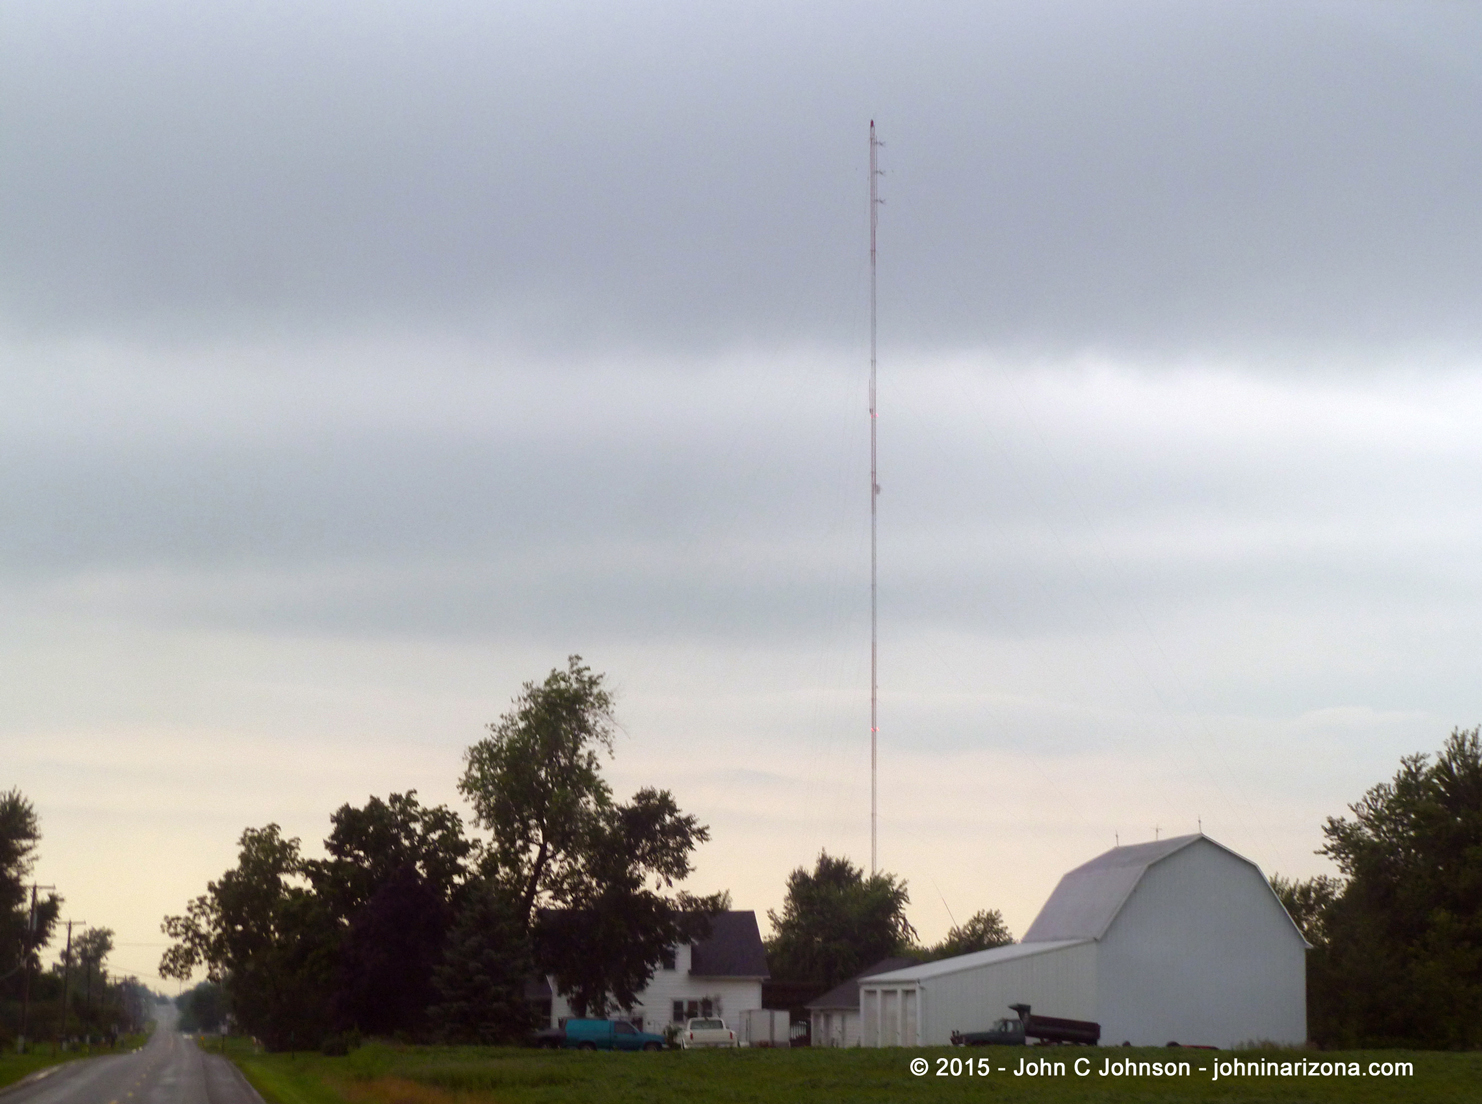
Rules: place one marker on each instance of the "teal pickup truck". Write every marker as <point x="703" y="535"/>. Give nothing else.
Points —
<point x="600" y="1035"/>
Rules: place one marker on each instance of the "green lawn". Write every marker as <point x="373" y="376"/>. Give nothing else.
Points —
<point x="15" y="1066"/>
<point x="379" y="1074"/>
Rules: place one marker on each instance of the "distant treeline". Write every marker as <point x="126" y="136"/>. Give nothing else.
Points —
<point x="75" y="997"/>
<point x="1397" y="938"/>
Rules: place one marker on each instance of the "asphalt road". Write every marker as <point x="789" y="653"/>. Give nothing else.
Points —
<point x="170" y="1070"/>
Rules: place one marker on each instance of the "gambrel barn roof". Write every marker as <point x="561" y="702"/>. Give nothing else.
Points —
<point x="1089" y="897"/>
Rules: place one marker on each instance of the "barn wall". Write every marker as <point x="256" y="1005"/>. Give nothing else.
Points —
<point x="1202" y="953"/>
<point x="1055" y="983"/>
<point x="1060" y="982"/>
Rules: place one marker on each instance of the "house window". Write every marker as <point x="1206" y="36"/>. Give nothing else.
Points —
<point x="707" y="1009"/>
<point x="666" y="958"/>
<point x="678" y="1012"/>
<point x="691" y="1009"/>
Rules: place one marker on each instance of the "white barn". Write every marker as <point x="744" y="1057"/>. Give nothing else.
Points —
<point x="1180" y="940"/>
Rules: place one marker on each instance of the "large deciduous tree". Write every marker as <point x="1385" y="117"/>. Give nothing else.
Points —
<point x="1398" y="956"/>
<point x="303" y="945"/>
<point x="262" y="931"/>
<point x="536" y="783"/>
<point x="1396" y="953"/>
<point x="394" y="942"/>
<point x="603" y="946"/>
<point x="835" y="921"/>
<point x="370" y="846"/>
<point x="586" y="877"/>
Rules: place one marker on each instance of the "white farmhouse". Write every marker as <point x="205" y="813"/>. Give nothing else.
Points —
<point x="720" y="975"/>
<point x="1180" y="940"/>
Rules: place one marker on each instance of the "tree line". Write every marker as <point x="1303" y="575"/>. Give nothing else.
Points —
<point x="1396" y="937"/>
<point x="409" y="927"/>
<point x="73" y="997"/>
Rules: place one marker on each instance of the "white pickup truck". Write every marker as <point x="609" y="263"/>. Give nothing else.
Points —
<point x="707" y="1033"/>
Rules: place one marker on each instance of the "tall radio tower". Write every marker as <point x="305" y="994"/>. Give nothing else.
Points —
<point x="874" y="496"/>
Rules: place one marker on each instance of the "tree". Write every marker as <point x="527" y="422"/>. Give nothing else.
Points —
<point x="1307" y="903"/>
<point x="22" y="936"/>
<point x="836" y="921"/>
<point x="602" y="948"/>
<point x="19" y="834"/>
<point x="368" y="847"/>
<point x="983" y="931"/>
<point x="480" y="982"/>
<point x="388" y="956"/>
<point x="261" y="931"/>
<point x="1399" y="949"/>
<point x="394" y="871"/>
<point x="585" y="876"/>
<point x="536" y="783"/>
<point x="203" y="1007"/>
<point x="91" y="948"/>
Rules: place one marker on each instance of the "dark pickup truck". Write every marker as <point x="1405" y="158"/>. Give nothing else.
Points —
<point x="1042" y="1029"/>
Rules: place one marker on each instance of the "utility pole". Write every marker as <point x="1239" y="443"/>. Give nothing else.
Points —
<point x="67" y="976"/>
<point x="874" y="497"/>
<point x="20" y="1040"/>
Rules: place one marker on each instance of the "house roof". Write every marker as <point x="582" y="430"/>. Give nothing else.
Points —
<point x="733" y="948"/>
<point x="944" y="966"/>
<point x="846" y="994"/>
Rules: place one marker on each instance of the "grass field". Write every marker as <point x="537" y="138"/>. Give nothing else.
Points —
<point x="14" y="1066"/>
<point x="379" y="1074"/>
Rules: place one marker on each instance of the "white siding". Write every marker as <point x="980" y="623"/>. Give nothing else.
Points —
<point x="729" y="996"/>
<point x="895" y="1024"/>
<point x="835" y="1027"/>
<point x="1197" y="950"/>
<point x="1203" y="953"/>
<point x="1060" y="981"/>
<point x="869" y="1014"/>
<point x="765" y="1027"/>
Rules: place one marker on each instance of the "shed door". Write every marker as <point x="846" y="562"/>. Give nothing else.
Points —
<point x="872" y="1018"/>
<point x="890" y="1017"/>
<point x="908" y="1017"/>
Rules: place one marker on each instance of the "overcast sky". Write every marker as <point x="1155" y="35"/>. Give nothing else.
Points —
<point x="359" y="362"/>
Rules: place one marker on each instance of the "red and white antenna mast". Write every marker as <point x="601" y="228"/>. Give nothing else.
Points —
<point x="874" y="496"/>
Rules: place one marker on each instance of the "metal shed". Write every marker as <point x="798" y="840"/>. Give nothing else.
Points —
<point x="1180" y="940"/>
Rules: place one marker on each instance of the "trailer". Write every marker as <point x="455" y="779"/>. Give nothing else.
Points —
<point x="766" y="1027"/>
<point x="1044" y="1030"/>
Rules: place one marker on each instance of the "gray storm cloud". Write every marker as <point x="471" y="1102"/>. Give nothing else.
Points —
<point x="361" y="360"/>
<point x="1143" y="176"/>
